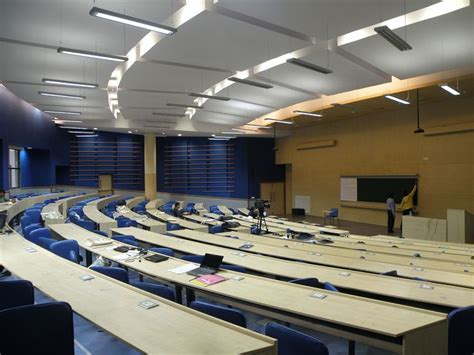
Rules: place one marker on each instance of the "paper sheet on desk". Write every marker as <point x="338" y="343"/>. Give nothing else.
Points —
<point x="184" y="269"/>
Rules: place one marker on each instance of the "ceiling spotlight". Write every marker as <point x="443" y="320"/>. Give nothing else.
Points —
<point x="179" y="134"/>
<point x="89" y="54"/>
<point x="306" y="113"/>
<point x="449" y="89"/>
<point x="54" y="112"/>
<point x="183" y="105"/>
<point x="210" y="97"/>
<point x="309" y="65"/>
<point x="277" y="121"/>
<point x="132" y="21"/>
<point x="393" y="38"/>
<point x="64" y="96"/>
<point x="394" y="98"/>
<point x="70" y="83"/>
<point x="250" y="82"/>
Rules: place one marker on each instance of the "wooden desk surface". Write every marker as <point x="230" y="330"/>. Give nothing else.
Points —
<point x="91" y="210"/>
<point x="183" y="223"/>
<point x="154" y="204"/>
<point x="438" y="276"/>
<point x="303" y="226"/>
<point x="132" y="202"/>
<point x="453" y="245"/>
<point x="113" y="306"/>
<point x="244" y="222"/>
<point x="336" y="308"/>
<point x="403" y="289"/>
<point x="352" y="253"/>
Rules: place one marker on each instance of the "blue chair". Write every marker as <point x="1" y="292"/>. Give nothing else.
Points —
<point x="291" y="341"/>
<point x="164" y="251"/>
<point x="460" y="326"/>
<point x="67" y="249"/>
<point x="27" y="231"/>
<point x="159" y="290"/>
<point x="214" y="209"/>
<point x="16" y="293"/>
<point x="216" y="229"/>
<point x="41" y="236"/>
<point x="333" y="214"/>
<point x="26" y="222"/>
<point x="236" y="268"/>
<point x="390" y="273"/>
<point x="173" y="227"/>
<point x="330" y="287"/>
<point x="45" y="328"/>
<point x="34" y="214"/>
<point x="46" y="242"/>
<point x="89" y="225"/>
<point x="127" y="239"/>
<point x="102" y="233"/>
<point x="228" y="314"/>
<point x="314" y="282"/>
<point x="193" y="258"/>
<point x="113" y="272"/>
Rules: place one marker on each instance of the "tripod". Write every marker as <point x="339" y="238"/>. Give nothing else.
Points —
<point x="261" y="221"/>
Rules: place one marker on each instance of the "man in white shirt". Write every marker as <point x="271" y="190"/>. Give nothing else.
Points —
<point x="390" y="213"/>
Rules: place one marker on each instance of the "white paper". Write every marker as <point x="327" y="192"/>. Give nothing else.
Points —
<point x="184" y="269"/>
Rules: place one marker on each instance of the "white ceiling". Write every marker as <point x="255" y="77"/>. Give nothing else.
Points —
<point x="210" y="47"/>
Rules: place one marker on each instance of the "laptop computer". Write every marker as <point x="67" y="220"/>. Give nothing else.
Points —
<point x="209" y="265"/>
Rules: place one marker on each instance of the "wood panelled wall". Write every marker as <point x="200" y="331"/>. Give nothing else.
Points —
<point x="383" y="143"/>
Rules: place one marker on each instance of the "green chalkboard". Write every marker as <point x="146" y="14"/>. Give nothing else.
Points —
<point x="377" y="188"/>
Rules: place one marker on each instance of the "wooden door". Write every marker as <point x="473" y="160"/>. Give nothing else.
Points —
<point x="274" y="192"/>
<point x="105" y="183"/>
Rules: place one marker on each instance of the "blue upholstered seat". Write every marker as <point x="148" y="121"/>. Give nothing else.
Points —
<point x="16" y="293"/>
<point x="228" y="314"/>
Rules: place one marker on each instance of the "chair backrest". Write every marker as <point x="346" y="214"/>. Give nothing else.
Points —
<point x="460" y="331"/>
<point x="38" y="233"/>
<point x="216" y="229"/>
<point x="25" y="221"/>
<point x="334" y="212"/>
<point x="127" y="239"/>
<point x="228" y="314"/>
<point x="330" y="287"/>
<point x="16" y="293"/>
<point x="67" y="249"/>
<point x="236" y="268"/>
<point x="89" y="225"/>
<point x="193" y="258"/>
<point x="28" y="229"/>
<point x="308" y="281"/>
<point x="159" y="290"/>
<point x="102" y="233"/>
<point x="45" y="328"/>
<point x="164" y="251"/>
<point x="173" y="227"/>
<point x="34" y="214"/>
<point x="114" y="272"/>
<point x="390" y="273"/>
<point x="291" y="341"/>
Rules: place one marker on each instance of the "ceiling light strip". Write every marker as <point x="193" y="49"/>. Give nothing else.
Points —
<point x="278" y="121"/>
<point x="397" y="99"/>
<point x="64" y="96"/>
<point x="70" y="83"/>
<point x="89" y="54"/>
<point x="306" y="113"/>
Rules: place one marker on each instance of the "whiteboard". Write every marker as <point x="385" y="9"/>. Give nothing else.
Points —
<point x="303" y="202"/>
<point x="348" y="189"/>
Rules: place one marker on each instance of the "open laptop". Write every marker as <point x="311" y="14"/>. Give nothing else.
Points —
<point x="209" y="265"/>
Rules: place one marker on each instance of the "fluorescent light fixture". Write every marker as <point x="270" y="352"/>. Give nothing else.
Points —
<point x="232" y="132"/>
<point x="89" y="54"/>
<point x="394" y="39"/>
<point x="29" y="148"/>
<point x="250" y="82"/>
<point x="129" y="131"/>
<point x="183" y="105"/>
<point x="306" y="113"/>
<point x="277" y="121"/>
<point x="309" y="65"/>
<point x="224" y="137"/>
<point x="210" y="97"/>
<point x="258" y="125"/>
<point x="81" y="132"/>
<point x="75" y="84"/>
<point x="65" y="96"/>
<point x="58" y="121"/>
<point x="95" y="129"/>
<point x="219" y="139"/>
<point x="179" y="134"/>
<point x="449" y="89"/>
<point x="54" y="112"/>
<point x="394" y="98"/>
<point x="72" y="127"/>
<point x="132" y="21"/>
<point x="87" y="135"/>
<point x="168" y="114"/>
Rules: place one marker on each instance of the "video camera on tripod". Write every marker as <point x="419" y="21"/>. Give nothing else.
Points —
<point x="258" y="211"/>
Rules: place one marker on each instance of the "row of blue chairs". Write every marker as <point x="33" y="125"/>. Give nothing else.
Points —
<point x="27" y="328"/>
<point x="140" y="207"/>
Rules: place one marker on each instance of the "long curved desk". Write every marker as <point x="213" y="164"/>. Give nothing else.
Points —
<point x="92" y="212"/>
<point x="147" y="223"/>
<point x="162" y="216"/>
<point x="398" y="290"/>
<point x="409" y="331"/>
<point x="59" y="208"/>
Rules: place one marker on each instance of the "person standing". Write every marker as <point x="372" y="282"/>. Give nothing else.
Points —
<point x="407" y="206"/>
<point x="390" y="213"/>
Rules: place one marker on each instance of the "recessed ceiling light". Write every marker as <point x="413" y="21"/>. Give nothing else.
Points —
<point x="394" y="39"/>
<point x="250" y="82"/>
<point x="449" y="89"/>
<point x="129" y="131"/>
<point x="54" y="112"/>
<point x="89" y="54"/>
<point x="179" y="134"/>
<point x="213" y="135"/>
<point x="64" y="96"/>
<point x="132" y="21"/>
<point x="306" y="113"/>
<point x="70" y="83"/>
<point x="394" y="98"/>
<point x="210" y="97"/>
<point x="95" y="129"/>
<point x="183" y="105"/>
<point x="277" y="121"/>
<point x="309" y="65"/>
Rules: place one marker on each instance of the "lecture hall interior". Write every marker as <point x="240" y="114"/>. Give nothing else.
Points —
<point x="290" y="177"/>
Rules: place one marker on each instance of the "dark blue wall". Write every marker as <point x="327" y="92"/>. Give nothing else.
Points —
<point x="253" y="162"/>
<point x="34" y="169"/>
<point x="23" y="125"/>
